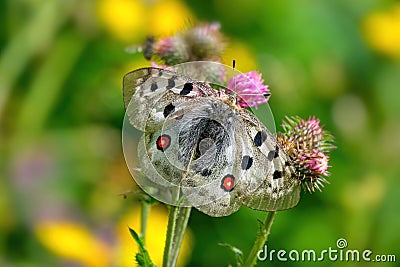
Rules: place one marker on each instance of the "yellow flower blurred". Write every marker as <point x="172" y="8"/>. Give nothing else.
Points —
<point x="73" y="241"/>
<point x="245" y="60"/>
<point x="155" y="237"/>
<point x="125" y="19"/>
<point x="168" y="16"/>
<point x="382" y="31"/>
<point x="131" y="20"/>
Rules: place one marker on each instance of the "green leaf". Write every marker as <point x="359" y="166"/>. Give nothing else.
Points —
<point x="261" y="228"/>
<point x="238" y="253"/>
<point x="143" y="257"/>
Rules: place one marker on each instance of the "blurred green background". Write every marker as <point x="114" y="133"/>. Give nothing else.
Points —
<point x="62" y="172"/>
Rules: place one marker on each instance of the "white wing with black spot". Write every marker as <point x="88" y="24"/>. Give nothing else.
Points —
<point x="208" y="146"/>
<point x="279" y="189"/>
<point x="145" y="88"/>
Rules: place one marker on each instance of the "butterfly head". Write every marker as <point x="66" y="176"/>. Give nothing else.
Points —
<point x="231" y="99"/>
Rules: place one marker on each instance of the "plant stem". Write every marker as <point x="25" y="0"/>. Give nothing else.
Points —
<point x="143" y="218"/>
<point x="177" y="221"/>
<point x="261" y="239"/>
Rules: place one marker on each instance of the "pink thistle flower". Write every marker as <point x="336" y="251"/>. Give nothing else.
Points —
<point x="308" y="145"/>
<point x="317" y="163"/>
<point x="250" y="89"/>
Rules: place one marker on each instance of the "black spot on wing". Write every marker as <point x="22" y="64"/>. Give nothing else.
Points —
<point x="206" y="172"/>
<point x="168" y="109"/>
<point x="187" y="88"/>
<point x="260" y="137"/>
<point x="271" y="155"/>
<point x="247" y="161"/>
<point x="276" y="151"/>
<point x="171" y="82"/>
<point x="277" y="175"/>
<point x="153" y="87"/>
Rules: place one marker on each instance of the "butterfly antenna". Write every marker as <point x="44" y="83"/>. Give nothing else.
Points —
<point x="234" y="74"/>
<point x="234" y="79"/>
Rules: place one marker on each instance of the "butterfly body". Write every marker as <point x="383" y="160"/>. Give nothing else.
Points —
<point x="218" y="155"/>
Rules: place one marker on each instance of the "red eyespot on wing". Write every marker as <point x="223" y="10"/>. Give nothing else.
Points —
<point x="163" y="142"/>
<point x="228" y="183"/>
<point x="179" y="114"/>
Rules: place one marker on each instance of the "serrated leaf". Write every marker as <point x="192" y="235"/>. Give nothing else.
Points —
<point x="238" y="253"/>
<point x="143" y="257"/>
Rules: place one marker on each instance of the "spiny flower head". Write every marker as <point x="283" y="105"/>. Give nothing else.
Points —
<point x="250" y="89"/>
<point x="308" y="145"/>
<point x="201" y="43"/>
<point x="205" y="42"/>
<point x="172" y="50"/>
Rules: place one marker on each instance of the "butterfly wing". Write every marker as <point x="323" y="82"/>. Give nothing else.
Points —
<point x="272" y="185"/>
<point x="160" y="173"/>
<point x="191" y="153"/>
<point x="152" y="95"/>
<point x="148" y="88"/>
<point x="208" y="150"/>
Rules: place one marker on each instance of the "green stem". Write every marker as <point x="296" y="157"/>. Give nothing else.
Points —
<point x="261" y="239"/>
<point x="177" y="221"/>
<point x="143" y="218"/>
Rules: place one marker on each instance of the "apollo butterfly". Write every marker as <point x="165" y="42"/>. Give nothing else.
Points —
<point x="198" y="147"/>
